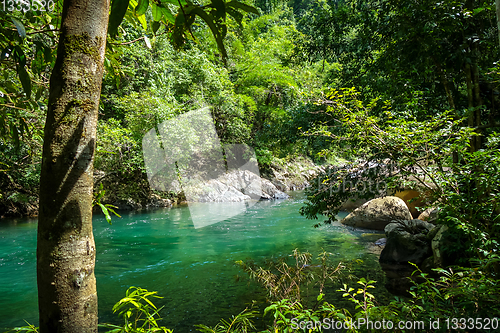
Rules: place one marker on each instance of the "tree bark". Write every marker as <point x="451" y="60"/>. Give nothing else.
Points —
<point x="67" y="296"/>
<point x="497" y="5"/>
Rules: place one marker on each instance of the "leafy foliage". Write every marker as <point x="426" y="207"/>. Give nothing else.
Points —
<point x="241" y="323"/>
<point x="138" y="312"/>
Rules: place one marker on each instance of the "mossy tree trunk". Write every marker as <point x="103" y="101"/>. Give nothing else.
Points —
<point x="66" y="251"/>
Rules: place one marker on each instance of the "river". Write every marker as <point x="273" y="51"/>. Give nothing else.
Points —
<point x="191" y="268"/>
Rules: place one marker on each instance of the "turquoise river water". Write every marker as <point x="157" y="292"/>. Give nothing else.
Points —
<point x="193" y="269"/>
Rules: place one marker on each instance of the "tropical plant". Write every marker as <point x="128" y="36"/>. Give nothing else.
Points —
<point x="138" y="312"/>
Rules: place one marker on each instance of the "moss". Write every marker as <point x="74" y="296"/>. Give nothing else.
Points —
<point x="83" y="44"/>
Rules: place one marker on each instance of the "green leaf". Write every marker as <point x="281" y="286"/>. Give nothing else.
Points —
<point x="110" y="208"/>
<point x="157" y="12"/>
<point x="20" y="27"/>
<point x="155" y="26"/>
<point x="15" y="135"/>
<point x="25" y="80"/>
<point x="242" y="6"/>
<point x="47" y="54"/>
<point x="213" y="26"/>
<point x="141" y="8"/>
<point x="235" y="14"/>
<point x="142" y="20"/>
<point x="220" y="9"/>
<point x="168" y="14"/>
<point x="118" y="10"/>
<point x="106" y="213"/>
<point x="21" y="57"/>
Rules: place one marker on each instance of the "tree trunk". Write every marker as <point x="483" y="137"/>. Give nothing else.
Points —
<point x="67" y="297"/>
<point x="497" y="5"/>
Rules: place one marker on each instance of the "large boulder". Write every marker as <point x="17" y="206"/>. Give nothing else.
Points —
<point x="377" y="213"/>
<point x="126" y="204"/>
<point x="413" y="200"/>
<point x="236" y="186"/>
<point x="351" y="204"/>
<point x="407" y="241"/>
<point x="155" y="201"/>
<point x="429" y="215"/>
<point x="216" y="191"/>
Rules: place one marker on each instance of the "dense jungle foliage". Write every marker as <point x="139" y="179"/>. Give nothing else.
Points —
<point x="414" y="84"/>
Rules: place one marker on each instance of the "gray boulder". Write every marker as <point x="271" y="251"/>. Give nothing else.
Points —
<point x="437" y="244"/>
<point x="377" y="213"/>
<point x="236" y="186"/>
<point x="216" y="191"/>
<point x="351" y="204"/>
<point x="407" y="241"/>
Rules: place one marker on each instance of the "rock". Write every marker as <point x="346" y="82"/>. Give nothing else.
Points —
<point x="429" y="215"/>
<point x="271" y="190"/>
<point x="293" y="175"/>
<point x="236" y="186"/>
<point x="377" y="213"/>
<point x="216" y="191"/>
<point x="381" y="242"/>
<point x="155" y="201"/>
<point x="406" y="242"/>
<point x="412" y="200"/>
<point x="127" y="204"/>
<point x="436" y="245"/>
<point x="350" y="204"/>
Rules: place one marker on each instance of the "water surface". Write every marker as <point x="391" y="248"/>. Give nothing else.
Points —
<point x="193" y="269"/>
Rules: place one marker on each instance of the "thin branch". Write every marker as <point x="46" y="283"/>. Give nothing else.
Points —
<point x="41" y="31"/>
<point x="127" y="43"/>
<point x="493" y="125"/>
<point x="135" y="40"/>
<point x="14" y="107"/>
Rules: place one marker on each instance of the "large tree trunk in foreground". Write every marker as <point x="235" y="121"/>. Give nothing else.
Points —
<point x="67" y="295"/>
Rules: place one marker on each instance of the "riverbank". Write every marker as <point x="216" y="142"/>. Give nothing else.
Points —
<point x="132" y="192"/>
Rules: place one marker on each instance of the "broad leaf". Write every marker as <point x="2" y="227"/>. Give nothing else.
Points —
<point x="25" y="80"/>
<point x="155" y="26"/>
<point x="20" y="27"/>
<point x="168" y="14"/>
<point x="220" y="9"/>
<point x="118" y="10"/>
<point x="157" y="12"/>
<point x="242" y="6"/>
<point x="235" y="14"/>
<point x="141" y="8"/>
<point x="213" y="26"/>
